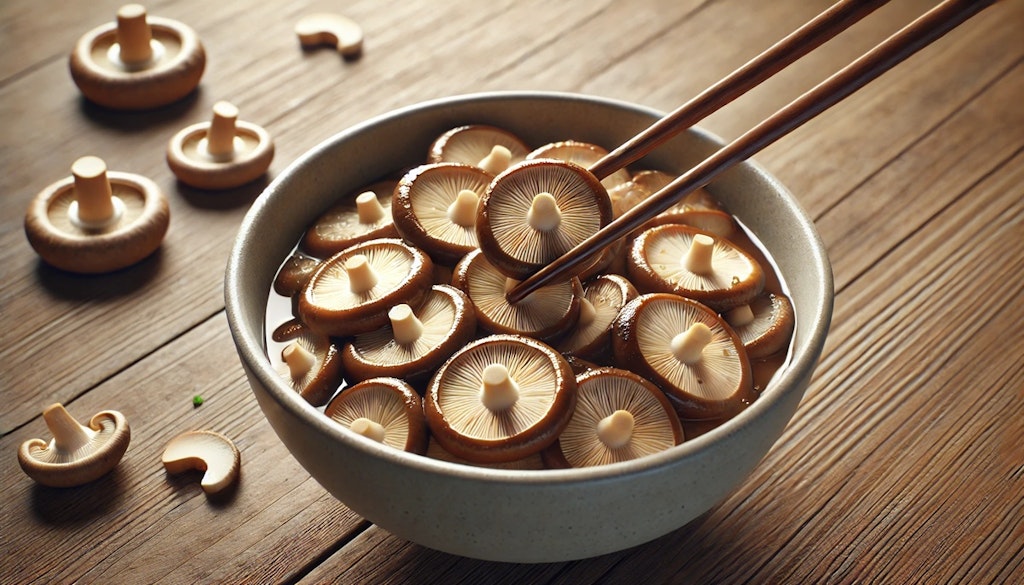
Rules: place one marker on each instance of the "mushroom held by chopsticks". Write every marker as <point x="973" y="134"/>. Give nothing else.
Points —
<point x="688" y="351"/>
<point x="352" y="291"/>
<point x="207" y="451"/>
<point x="536" y="211"/>
<point x="684" y="260"/>
<point x="490" y="148"/>
<point x="311" y="365"/>
<point x="546" y="314"/>
<point x="386" y="410"/>
<point x="603" y="297"/>
<point x="765" y="325"/>
<point x="583" y="154"/>
<point x="365" y="217"/>
<point x="416" y="341"/>
<point x="619" y="416"/>
<point x="77" y="454"/>
<point x="434" y="208"/>
<point x="500" y="398"/>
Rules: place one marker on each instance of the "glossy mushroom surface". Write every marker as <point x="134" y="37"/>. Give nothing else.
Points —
<point x="619" y="416"/>
<point x="765" y="325"/>
<point x="220" y="154"/>
<point x="97" y="220"/>
<point x="311" y="363"/>
<point x="386" y="410"/>
<point x="366" y="215"/>
<point x="294" y="274"/>
<point x="77" y="454"/>
<point x="688" y="351"/>
<point x="416" y="341"/>
<point x="490" y="148"/>
<point x="352" y="291"/>
<point x="500" y="398"/>
<point x="138" y="62"/>
<point x="603" y="298"/>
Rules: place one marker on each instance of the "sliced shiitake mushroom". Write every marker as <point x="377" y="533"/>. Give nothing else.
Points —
<point x="688" y="351"/>
<point x="311" y="364"/>
<point x="538" y="210"/>
<point x="352" y="291"/>
<point x="619" y="416"/>
<point x="294" y="274"/>
<point x="416" y="342"/>
<point x="584" y="154"/>
<point x="765" y="325"/>
<point x="545" y="314"/>
<point x="684" y="260"/>
<point x="603" y="297"/>
<point x="386" y="410"/>
<point x="500" y="398"/>
<point x="491" y="148"/>
<point x="435" y="208"/>
<point x="366" y="216"/>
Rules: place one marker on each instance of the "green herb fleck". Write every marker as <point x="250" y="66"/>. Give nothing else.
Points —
<point x="197" y="401"/>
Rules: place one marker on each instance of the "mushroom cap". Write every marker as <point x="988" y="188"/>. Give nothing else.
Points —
<point x="389" y="402"/>
<point x="469" y="144"/>
<point x="546" y="314"/>
<point x="77" y="454"/>
<point x="591" y="338"/>
<point x="421" y="207"/>
<point x="601" y="393"/>
<point x="515" y="247"/>
<point x="584" y="154"/>
<point x="770" y="327"/>
<point x="294" y="274"/>
<point x="194" y="166"/>
<point x="530" y="462"/>
<point x="712" y="221"/>
<point x="319" y="366"/>
<point x="172" y="75"/>
<point x="328" y="304"/>
<point x="465" y="427"/>
<point x="339" y="227"/>
<point x="448" y="321"/>
<point x="717" y="386"/>
<point x="207" y="451"/>
<point x="657" y="263"/>
<point x="62" y="243"/>
<point x="648" y="182"/>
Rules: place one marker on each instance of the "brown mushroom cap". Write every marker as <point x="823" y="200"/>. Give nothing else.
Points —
<point x="688" y="351"/>
<point x="294" y="274"/>
<point x="530" y="462"/>
<point x="353" y="220"/>
<point x="221" y="154"/>
<point x="474" y="144"/>
<point x="603" y="298"/>
<point x="538" y="210"/>
<point x="500" y="398"/>
<point x="684" y="260"/>
<point x="648" y="182"/>
<point x="352" y="291"/>
<point x="312" y="365"/>
<point x="137" y="63"/>
<point x="765" y="325"/>
<point x="546" y="314"/>
<point x="384" y="409"/>
<point x="619" y="416"/>
<point x="584" y="154"/>
<point x="97" y="221"/>
<point x="435" y="208"/>
<point x="415" y="342"/>
<point x="207" y="451"/>
<point x="77" y="454"/>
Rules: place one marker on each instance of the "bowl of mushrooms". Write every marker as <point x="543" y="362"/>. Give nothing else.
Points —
<point x="367" y="295"/>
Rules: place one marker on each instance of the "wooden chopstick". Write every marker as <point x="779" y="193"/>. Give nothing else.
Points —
<point x="915" y="36"/>
<point x="834" y="20"/>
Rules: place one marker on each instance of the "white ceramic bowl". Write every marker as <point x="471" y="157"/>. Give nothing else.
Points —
<point x="520" y="516"/>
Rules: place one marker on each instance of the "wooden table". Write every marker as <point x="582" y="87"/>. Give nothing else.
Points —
<point x="905" y="462"/>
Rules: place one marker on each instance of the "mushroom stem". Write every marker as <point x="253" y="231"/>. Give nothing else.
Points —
<point x="497" y="160"/>
<point x="587" y="313"/>
<point x="544" y="214"/>
<point x="368" y="428"/>
<point x="368" y="208"/>
<point x="361" y="275"/>
<point x="688" y="346"/>
<point x="133" y="35"/>
<point x="616" y="429"/>
<point x="740" y="316"/>
<point x="68" y="435"/>
<point x="499" y="391"/>
<point x="94" y="204"/>
<point x="220" y="138"/>
<point x="406" y="327"/>
<point x="462" y="211"/>
<point x="698" y="257"/>
<point x="299" y="359"/>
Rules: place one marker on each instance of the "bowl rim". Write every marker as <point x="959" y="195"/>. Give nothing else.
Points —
<point x="251" y="351"/>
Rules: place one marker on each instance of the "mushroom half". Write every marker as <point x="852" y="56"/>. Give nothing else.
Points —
<point x="77" y="454"/>
<point x="500" y="398"/>
<point x="386" y="410"/>
<point x="207" y="451"/>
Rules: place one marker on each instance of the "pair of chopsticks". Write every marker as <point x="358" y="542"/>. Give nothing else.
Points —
<point x="915" y="36"/>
